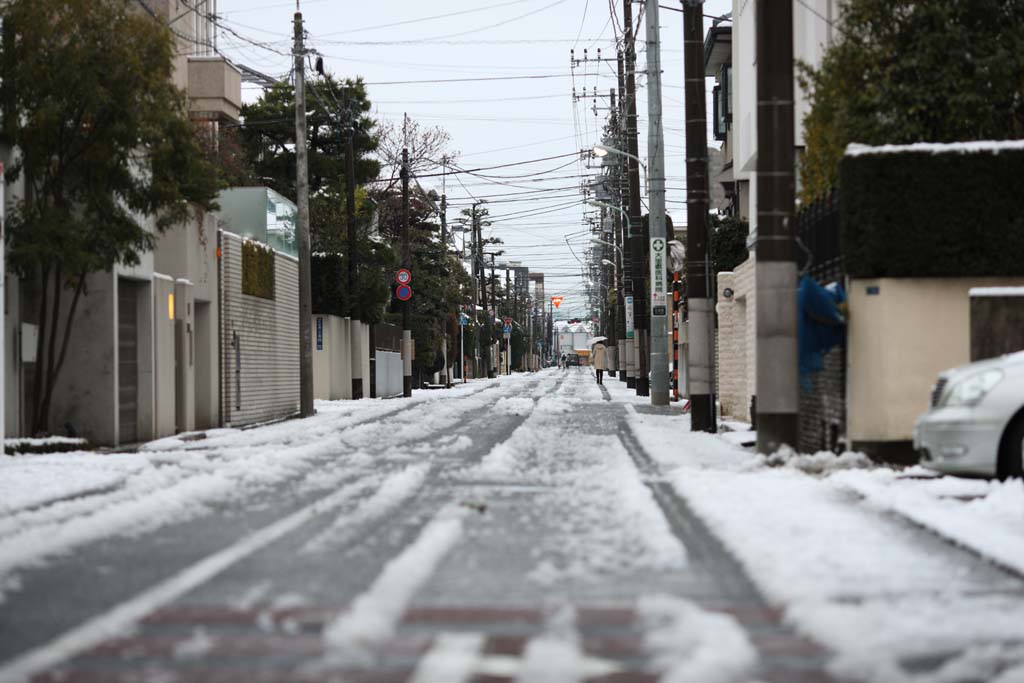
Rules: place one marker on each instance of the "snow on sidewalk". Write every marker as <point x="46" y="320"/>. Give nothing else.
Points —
<point x="986" y="516"/>
<point x="892" y="602"/>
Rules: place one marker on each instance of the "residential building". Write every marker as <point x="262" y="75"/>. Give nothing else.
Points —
<point x="145" y="358"/>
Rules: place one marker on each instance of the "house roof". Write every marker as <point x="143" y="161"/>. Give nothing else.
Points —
<point x="717" y="49"/>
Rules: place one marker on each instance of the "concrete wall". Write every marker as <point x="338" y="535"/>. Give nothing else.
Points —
<point x="388" y="368"/>
<point x="737" y="336"/>
<point x="332" y="359"/>
<point x="189" y="255"/>
<point x="902" y="333"/>
<point x="260" y="341"/>
<point x="164" y="355"/>
<point x="86" y="397"/>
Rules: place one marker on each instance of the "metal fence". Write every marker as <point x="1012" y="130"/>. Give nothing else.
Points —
<point x="823" y="407"/>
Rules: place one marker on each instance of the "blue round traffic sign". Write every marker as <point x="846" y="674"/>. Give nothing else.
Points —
<point x="403" y="292"/>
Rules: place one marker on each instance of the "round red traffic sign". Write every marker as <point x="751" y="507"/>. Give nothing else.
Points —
<point x="403" y="276"/>
<point x="403" y="292"/>
<point x="508" y="321"/>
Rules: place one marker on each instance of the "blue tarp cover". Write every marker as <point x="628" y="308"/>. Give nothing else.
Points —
<point x="822" y="325"/>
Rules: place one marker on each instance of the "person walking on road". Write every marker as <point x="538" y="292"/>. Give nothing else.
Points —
<point x="562" y="362"/>
<point x="600" y="358"/>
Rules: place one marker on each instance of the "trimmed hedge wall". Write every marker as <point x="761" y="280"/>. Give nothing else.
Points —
<point x="933" y="214"/>
<point x="257" y="270"/>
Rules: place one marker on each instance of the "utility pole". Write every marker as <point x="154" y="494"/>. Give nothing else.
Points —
<point x="637" y="247"/>
<point x="656" y="220"/>
<point x="444" y="257"/>
<point x="488" y="328"/>
<point x="775" y="278"/>
<point x="302" y="219"/>
<point x="3" y="298"/>
<point x="700" y="305"/>
<point x="492" y="371"/>
<point x="350" y="219"/>
<point x="407" y="264"/>
<point x="350" y="194"/>
<point x="627" y="341"/>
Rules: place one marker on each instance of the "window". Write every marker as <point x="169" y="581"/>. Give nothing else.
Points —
<point x="722" y="101"/>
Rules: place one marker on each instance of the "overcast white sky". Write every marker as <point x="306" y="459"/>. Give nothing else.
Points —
<point x="491" y="122"/>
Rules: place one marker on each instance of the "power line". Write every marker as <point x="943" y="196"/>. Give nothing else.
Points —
<point x="430" y="18"/>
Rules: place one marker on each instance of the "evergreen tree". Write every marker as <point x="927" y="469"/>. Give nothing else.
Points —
<point x="904" y="71"/>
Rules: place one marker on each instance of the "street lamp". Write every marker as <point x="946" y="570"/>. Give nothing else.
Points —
<point x="597" y="240"/>
<point x="605" y="205"/>
<point x="600" y="150"/>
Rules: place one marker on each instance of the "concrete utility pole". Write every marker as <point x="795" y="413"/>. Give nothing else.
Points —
<point x="350" y="219"/>
<point x="625" y="352"/>
<point x="407" y="264"/>
<point x="444" y="256"/>
<point x="492" y="368"/>
<point x="656" y="199"/>
<point x="700" y="304"/>
<point x="776" y="275"/>
<point x="3" y="297"/>
<point x="637" y="247"/>
<point x="302" y="219"/>
<point x="488" y="328"/>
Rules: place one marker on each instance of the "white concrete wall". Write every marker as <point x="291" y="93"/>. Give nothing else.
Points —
<point x="332" y="363"/>
<point x="268" y="334"/>
<point x="736" y="340"/>
<point x="388" y="374"/>
<point x="899" y="340"/>
<point x="164" y="356"/>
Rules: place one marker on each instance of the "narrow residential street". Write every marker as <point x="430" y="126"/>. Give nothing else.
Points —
<point x="518" y="529"/>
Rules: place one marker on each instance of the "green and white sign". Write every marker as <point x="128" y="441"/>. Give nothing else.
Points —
<point x="659" y="276"/>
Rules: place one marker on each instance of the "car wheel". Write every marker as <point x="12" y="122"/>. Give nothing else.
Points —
<point x="1011" y="450"/>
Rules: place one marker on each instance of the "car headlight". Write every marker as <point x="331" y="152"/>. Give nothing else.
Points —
<point x="970" y="390"/>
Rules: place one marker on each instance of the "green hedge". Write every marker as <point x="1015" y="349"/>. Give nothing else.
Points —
<point x="933" y="213"/>
<point x="257" y="270"/>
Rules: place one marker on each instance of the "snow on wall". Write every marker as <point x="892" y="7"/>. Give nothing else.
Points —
<point x="969" y="147"/>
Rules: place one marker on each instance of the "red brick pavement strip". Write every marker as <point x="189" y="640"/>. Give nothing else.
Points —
<point x="270" y="646"/>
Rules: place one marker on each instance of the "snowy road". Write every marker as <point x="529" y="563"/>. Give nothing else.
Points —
<point x="531" y="528"/>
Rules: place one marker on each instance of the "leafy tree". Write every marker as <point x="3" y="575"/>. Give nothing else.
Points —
<point x="439" y="280"/>
<point x="104" y="140"/>
<point x="905" y="71"/>
<point x="728" y="242"/>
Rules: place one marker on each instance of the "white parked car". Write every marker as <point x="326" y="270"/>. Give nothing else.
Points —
<point x="976" y="422"/>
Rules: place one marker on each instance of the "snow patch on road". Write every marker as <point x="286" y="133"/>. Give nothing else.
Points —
<point x="607" y="520"/>
<point x="513" y="405"/>
<point x="691" y="645"/>
<point x="395" y="490"/>
<point x="376" y="612"/>
<point x="196" y="646"/>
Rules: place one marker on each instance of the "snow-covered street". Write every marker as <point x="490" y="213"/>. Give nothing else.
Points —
<point x="537" y="527"/>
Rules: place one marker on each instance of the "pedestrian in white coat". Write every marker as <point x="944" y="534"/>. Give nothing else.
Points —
<point x="600" y="358"/>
